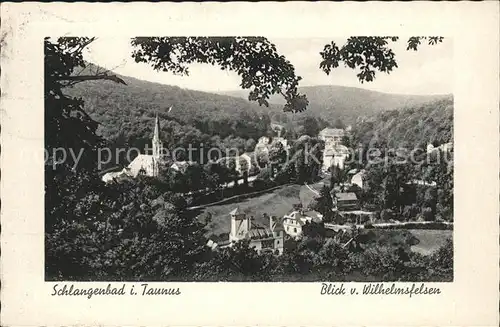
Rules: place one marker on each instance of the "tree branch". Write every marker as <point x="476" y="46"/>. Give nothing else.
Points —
<point x="82" y="78"/>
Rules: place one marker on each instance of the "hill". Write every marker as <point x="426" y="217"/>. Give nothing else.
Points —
<point x="332" y="102"/>
<point x="125" y="108"/>
<point x="414" y="126"/>
<point x="126" y="113"/>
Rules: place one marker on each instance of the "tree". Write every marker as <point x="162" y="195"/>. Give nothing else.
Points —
<point x="339" y="124"/>
<point x="336" y="176"/>
<point x="255" y="59"/>
<point x="277" y="154"/>
<point x="369" y="54"/>
<point x="250" y="145"/>
<point x="259" y="65"/>
<point x="324" y="203"/>
<point x="67" y="125"/>
<point x="310" y="126"/>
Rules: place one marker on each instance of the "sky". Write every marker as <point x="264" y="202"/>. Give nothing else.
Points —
<point x="426" y="71"/>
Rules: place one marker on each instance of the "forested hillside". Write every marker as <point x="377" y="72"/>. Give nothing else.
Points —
<point x="410" y="127"/>
<point x="332" y="102"/>
<point x="126" y="112"/>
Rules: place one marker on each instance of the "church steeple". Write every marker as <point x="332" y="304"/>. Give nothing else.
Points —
<point x="157" y="147"/>
<point x="156" y="139"/>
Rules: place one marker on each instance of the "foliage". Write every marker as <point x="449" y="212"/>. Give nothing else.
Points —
<point x="369" y="54"/>
<point x="255" y="59"/>
<point x="71" y="127"/>
<point x="411" y="128"/>
<point x="324" y="203"/>
<point x="136" y="230"/>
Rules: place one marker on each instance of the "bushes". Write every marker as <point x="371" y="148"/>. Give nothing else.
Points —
<point x="427" y="214"/>
<point x="387" y="215"/>
<point x="410" y="212"/>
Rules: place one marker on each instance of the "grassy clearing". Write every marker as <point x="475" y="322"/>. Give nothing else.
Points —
<point x="430" y="240"/>
<point x="277" y="202"/>
<point x="423" y="241"/>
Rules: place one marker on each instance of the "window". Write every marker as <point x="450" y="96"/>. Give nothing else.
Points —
<point x="295" y="230"/>
<point x="278" y="242"/>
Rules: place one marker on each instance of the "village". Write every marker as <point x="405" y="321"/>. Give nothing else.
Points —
<point x="270" y="237"/>
<point x="263" y="180"/>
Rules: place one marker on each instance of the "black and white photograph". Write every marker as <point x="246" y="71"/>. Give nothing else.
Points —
<point x="249" y="164"/>
<point x="249" y="159"/>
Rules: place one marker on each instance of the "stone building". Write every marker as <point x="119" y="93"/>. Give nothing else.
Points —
<point x="263" y="239"/>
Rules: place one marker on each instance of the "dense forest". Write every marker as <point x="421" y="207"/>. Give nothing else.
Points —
<point x="125" y="114"/>
<point x="333" y="103"/>
<point x="410" y="127"/>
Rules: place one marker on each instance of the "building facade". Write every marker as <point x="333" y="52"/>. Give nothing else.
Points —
<point x="331" y="136"/>
<point x="335" y="156"/>
<point x="346" y="201"/>
<point x="358" y="179"/>
<point x="262" y="239"/>
<point x="294" y="222"/>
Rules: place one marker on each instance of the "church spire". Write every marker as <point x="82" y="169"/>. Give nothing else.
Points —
<point x="156" y="139"/>
<point x="156" y="135"/>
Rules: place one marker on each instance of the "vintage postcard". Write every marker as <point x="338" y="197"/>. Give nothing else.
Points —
<point x="237" y="164"/>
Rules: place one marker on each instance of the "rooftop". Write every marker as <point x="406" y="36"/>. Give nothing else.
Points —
<point x="347" y="196"/>
<point x="339" y="149"/>
<point x="235" y="211"/>
<point x="260" y="233"/>
<point x="332" y="132"/>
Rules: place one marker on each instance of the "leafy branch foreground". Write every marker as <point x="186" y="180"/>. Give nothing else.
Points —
<point x="97" y="232"/>
<point x="262" y="69"/>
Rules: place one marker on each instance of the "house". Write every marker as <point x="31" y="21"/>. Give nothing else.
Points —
<point x="422" y="183"/>
<point x="242" y="163"/>
<point x="335" y="156"/>
<point x="346" y="201"/>
<point x="181" y="166"/>
<point x="281" y="140"/>
<point x="264" y="143"/>
<point x="117" y="176"/>
<point x="358" y="178"/>
<point x="294" y="221"/>
<point x="263" y="239"/>
<point x="446" y="147"/>
<point x="331" y="136"/>
<point x="278" y="129"/>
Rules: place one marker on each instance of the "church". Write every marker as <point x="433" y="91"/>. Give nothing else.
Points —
<point x="147" y="164"/>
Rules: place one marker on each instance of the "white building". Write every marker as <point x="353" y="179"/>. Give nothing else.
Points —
<point x="281" y="140"/>
<point x="294" y="221"/>
<point x="358" y="178"/>
<point x="242" y="163"/>
<point x="331" y="136"/>
<point x="181" y="166"/>
<point x="446" y="147"/>
<point x="264" y="144"/>
<point x="261" y="238"/>
<point x="335" y="156"/>
<point x="146" y="164"/>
